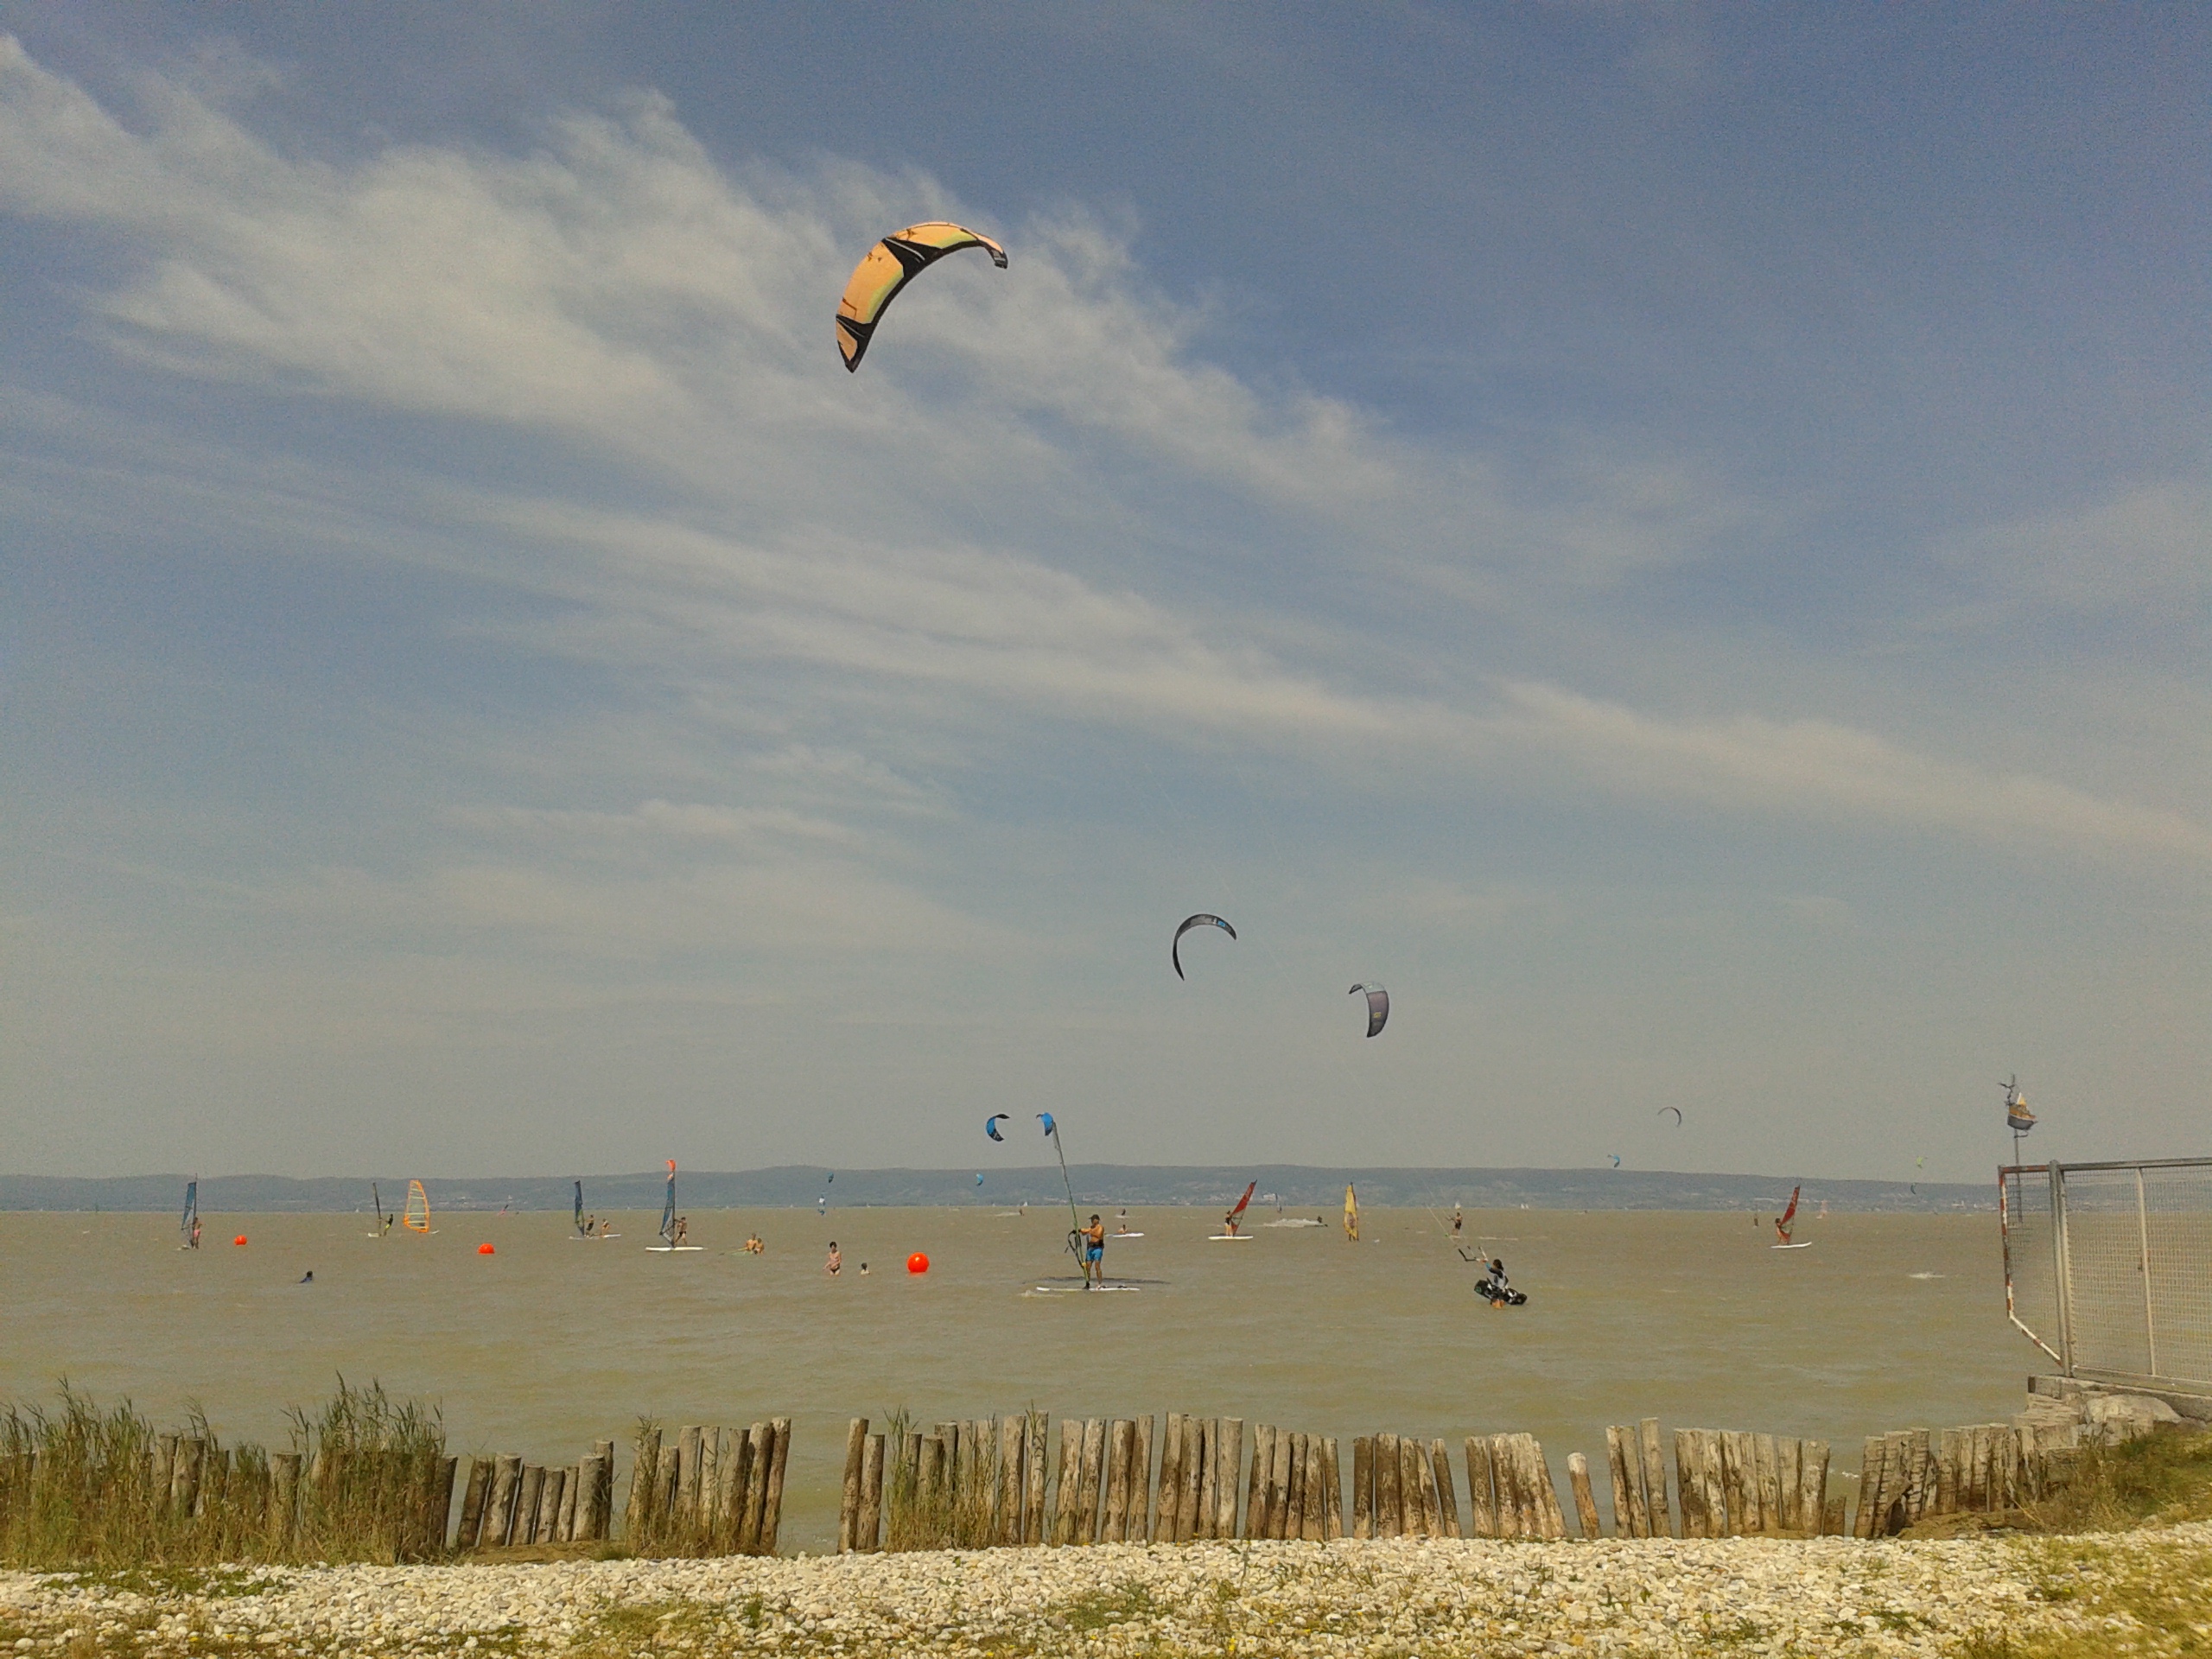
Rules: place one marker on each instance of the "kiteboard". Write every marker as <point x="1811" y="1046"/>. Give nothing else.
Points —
<point x="1295" y="1221"/>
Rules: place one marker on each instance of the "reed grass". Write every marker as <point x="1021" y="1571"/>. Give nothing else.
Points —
<point x="87" y="1488"/>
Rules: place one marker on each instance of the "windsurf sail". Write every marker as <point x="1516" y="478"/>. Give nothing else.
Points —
<point x="188" y="1225"/>
<point x="1789" y="1215"/>
<point x="1352" y="1212"/>
<point x="580" y="1208"/>
<point x="1241" y="1202"/>
<point x="668" y="1208"/>
<point x="376" y="1202"/>
<point x="417" y="1219"/>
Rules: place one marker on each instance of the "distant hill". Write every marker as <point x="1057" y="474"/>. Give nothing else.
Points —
<point x="797" y="1186"/>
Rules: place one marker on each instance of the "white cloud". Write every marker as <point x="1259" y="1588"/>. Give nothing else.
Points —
<point x="2149" y="546"/>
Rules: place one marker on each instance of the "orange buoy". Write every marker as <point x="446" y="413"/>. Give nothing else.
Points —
<point x="486" y="1249"/>
<point x="241" y="1239"/>
<point x="917" y="1262"/>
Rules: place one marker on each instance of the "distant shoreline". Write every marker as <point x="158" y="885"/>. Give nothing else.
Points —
<point x="800" y="1186"/>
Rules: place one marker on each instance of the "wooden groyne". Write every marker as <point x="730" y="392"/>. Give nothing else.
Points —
<point x="990" y="1482"/>
<point x="374" y="1482"/>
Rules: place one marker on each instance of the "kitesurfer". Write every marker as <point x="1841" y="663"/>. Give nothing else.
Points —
<point x="1494" y="1285"/>
<point x="1093" y="1252"/>
<point x="1458" y="1221"/>
<point x="836" y="1264"/>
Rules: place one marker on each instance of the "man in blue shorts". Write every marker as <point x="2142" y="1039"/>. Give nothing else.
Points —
<point x="1093" y="1252"/>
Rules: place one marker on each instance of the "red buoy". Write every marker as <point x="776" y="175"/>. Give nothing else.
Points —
<point x="241" y="1239"/>
<point x="917" y="1262"/>
<point x="486" y="1249"/>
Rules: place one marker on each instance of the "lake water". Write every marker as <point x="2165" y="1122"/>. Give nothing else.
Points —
<point x="1889" y="1321"/>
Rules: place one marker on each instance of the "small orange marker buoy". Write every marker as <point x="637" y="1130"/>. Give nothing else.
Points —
<point x="486" y="1249"/>
<point x="917" y="1262"/>
<point x="241" y="1239"/>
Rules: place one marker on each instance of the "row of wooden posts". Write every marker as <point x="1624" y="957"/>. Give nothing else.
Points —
<point x="507" y="1501"/>
<point x="404" y="1495"/>
<point x="982" y="1483"/>
<point x="710" y="1492"/>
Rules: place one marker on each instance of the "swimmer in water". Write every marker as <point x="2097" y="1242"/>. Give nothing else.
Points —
<point x="836" y="1264"/>
<point x="308" y="1278"/>
<point x="863" y="1269"/>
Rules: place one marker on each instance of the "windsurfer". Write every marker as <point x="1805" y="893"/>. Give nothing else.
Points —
<point x="1093" y="1252"/>
<point x="683" y="1235"/>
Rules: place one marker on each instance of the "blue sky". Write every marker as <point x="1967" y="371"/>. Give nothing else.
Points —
<point x="1678" y="539"/>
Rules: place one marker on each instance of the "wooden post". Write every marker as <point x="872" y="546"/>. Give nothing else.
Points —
<point x="1413" y="1502"/>
<point x="1032" y="1507"/>
<point x="506" y="1485"/>
<point x="849" y="1492"/>
<point x="638" y="1520"/>
<point x="1505" y="1474"/>
<point x="1432" y="1500"/>
<point x="284" y="1494"/>
<point x="1232" y="1458"/>
<point x="524" y="1530"/>
<point x="1585" y="1503"/>
<point x="1209" y="1476"/>
<point x="1189" y="1521"/>
<point x="1948" y="1461"/>
<point x="1313" y="1513"/>
<point x="550" y="1492"/>
<point x="1259" y="1498"/>
<point x="1088" y="1484"/>
<point x="1782" y="1503"/>
<point x="1813" y="1486"/>
<point x="1445" y="1499"/>
<point x="1977" y="1466"/>
<point x="758" y="1456"/>
<point x="1482" y="1510"/>
<point x="584" y="1525"/>
<point x="1068" y="1477"/>
<point x="1363" y="1486"/>
<point x="472" y="1501"/>
<point x="1631" y="1509"/>
<point x="868" y="1535"/>
<point x="1119" y="1434"/>
<point x="565" y="1522"/>
<point x="1014" y="1436"/>
<point x="1290" y="1521"/>
<point x="1167" y="1523"/>
<point x="1280" y="1486"/>
<point x="1766" y="1458"/>
<point x="161" y="1470"/>
<point x="687" y="1474"/>
<point x="1554" y="1520"/>
<point x="1332" y="1496"/>
<point x="701" y="1514"/>
<point x="1734" y="1478"/>
<point x="184" y="1476"/>
<point x="1870" y="1483"/>
<point x="1710" y="1445"/>
<point x="1832" y="1518"/>
<point x="1655" y="1477"/>
<point x="780" y="1430"/>
<point x="1140" y="1484"/>
<point x="1389" y="1490"/>
<point x="1688" y="1483"/>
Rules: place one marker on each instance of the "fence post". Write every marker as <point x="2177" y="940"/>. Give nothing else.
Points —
<point x="2143" y="1237"/>
<point x="2062" y="1263"/>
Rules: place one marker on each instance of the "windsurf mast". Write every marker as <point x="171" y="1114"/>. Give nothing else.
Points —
<point x="1053" y="1133"/>
<point x="668" y="1207"/>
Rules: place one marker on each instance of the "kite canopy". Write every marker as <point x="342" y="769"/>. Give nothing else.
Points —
<point x="1378" y="1006"/>
<point x="1175" y="947"/>
<point x="991" y="1126"/>
<point x="889" y="266"/>
<point x="1676" y="1110"/>
<point x="1051" y="1128"/>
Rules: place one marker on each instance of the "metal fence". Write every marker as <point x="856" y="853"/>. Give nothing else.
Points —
<point x="2108" y="1266"/>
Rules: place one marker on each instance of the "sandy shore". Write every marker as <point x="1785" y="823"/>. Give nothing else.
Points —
<point x="1741" y="1596"/>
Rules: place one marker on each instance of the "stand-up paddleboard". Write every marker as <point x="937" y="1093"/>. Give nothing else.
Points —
<point x="675" y="1249"/>
<point x="1229" y="1238"/>
<point x="1076" y="1290"/>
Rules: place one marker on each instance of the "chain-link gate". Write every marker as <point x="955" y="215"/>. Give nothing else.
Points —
<point x="2108" y="1266"/>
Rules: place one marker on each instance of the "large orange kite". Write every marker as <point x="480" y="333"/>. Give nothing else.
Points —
<point x="889" y="266"/>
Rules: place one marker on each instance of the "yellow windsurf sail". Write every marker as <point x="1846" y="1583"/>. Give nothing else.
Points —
<point x="1352" y="1212"/>
<point x="418" y="1209"/>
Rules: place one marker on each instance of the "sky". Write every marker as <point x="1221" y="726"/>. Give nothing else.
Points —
<point x="1676" y="538"/>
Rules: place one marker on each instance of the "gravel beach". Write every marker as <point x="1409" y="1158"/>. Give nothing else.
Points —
<point x="1741" y="1596"/>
